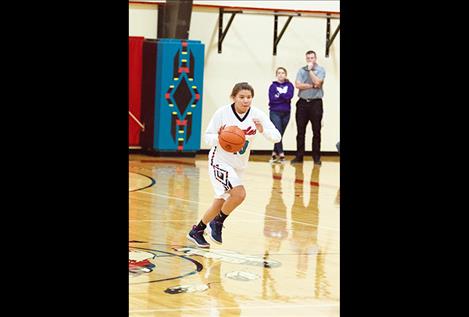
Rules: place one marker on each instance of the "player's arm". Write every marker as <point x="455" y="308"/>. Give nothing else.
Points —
<point x="213" y="129"/>
<point x="267" y="128"/>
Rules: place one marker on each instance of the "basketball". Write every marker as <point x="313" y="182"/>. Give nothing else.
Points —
<point x="231" y="139"/>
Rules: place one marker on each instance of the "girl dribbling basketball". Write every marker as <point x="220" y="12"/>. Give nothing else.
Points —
<point x="225" y="168"/>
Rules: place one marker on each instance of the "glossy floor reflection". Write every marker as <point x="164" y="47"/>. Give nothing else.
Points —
<point x="280" y="252"/>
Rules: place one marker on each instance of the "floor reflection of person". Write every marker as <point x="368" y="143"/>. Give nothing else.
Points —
<point x="275" y="230"/>
<point x="220" y="297"/>
<point x="305" y="218"/>
<point x="275" y="220"/>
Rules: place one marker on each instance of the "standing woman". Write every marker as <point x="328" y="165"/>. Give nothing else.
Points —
<point x="280" y="95"/>
<point x="225" y="168"/>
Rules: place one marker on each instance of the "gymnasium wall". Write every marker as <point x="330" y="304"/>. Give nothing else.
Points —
<point x="247" y="56"/>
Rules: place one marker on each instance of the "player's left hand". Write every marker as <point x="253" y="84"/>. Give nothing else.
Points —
<point x="221" y="128"/>
<point x="258" y="124"/>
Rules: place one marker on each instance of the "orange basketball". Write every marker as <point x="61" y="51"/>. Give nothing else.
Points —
<point x="231" y="139"/>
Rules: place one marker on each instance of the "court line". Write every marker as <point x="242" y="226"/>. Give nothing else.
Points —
<point x="281" y="177"/>
<point x="168" y="161"/>
<point x="238" y="210"/>
<point x="198" y="265"/>
<point x="142" y="188"/>
<point x="172" y="246"/>
<point x="288" y="178"/>
<point x="234" y="307"/>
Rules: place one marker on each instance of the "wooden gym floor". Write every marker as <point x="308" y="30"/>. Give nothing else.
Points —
<point x="280" y="252"/>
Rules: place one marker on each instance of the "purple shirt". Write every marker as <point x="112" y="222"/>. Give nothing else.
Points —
<point x="280" y="95"/>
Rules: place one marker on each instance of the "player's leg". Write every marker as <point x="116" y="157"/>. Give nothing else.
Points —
<point x="235" y="195"/>
<point x="196" y="235"/>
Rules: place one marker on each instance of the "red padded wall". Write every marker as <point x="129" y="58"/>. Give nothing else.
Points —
<point x="135" y="87"/>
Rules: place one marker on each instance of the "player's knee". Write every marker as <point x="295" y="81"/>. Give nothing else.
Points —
<point x="239" y="193"/>
<point x="242" y="195"/>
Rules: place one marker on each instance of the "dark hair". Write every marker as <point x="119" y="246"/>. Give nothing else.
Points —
<point x="311" y="52"/>
<point x="241" y="86"/>
<point x="282" y="68"/>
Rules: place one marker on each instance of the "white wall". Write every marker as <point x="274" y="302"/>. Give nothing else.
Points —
<point x="308" y="5"/>
<point x="247" y="56"/>
<point x="143" y="20"/>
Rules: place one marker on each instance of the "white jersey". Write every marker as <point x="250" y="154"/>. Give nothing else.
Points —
<point x="227" y="115"/>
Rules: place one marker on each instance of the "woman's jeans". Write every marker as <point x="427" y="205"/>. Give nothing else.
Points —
<point x="280" y="121"/>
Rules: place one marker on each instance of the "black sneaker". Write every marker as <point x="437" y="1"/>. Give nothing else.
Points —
<point x="297" y="160"/>
<point x="214" y="230"/>
<point x="197" y="236"/>
<point x="317" y="162"/>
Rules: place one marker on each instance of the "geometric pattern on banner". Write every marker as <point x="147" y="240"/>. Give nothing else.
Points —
<point x="182" y="95"/>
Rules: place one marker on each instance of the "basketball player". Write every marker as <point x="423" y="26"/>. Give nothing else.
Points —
<point x="226" y="169"/>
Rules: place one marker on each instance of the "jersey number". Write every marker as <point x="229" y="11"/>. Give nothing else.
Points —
<point x="241" y="152"/>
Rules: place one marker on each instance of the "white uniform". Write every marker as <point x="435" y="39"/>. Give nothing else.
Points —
<point x="225" y="168"/>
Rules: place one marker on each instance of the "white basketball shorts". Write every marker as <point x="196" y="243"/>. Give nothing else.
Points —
<point x="224" y="178"/>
